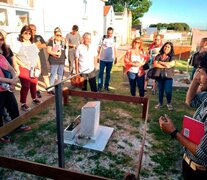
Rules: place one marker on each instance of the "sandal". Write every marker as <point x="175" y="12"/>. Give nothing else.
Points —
<point x="5" y="139"/>
<point x="170" y="107"/>
<point x="158" y="106"/>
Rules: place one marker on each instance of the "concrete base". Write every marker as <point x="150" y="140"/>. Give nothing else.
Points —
<point x="97" y="143"/>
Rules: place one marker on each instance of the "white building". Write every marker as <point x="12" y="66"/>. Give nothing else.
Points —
<point x="48" y="14"/>
<point x="89" y="15"/>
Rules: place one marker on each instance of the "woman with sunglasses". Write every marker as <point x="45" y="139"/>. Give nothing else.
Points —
<point x="56" y="49"/>
<point x="27" y="59"/>
<point x="134" y="60"/>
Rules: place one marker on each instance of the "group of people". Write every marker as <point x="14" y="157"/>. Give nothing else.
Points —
<point x="160" y="57"/>
<point x="27" y="55"/>
<point x="26" y="60"/>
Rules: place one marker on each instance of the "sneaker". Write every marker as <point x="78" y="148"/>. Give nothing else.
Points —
<point x="100" y="89"/>
<point x="36" y="101"/>
<point x="107" y="88"/>
<point x="158" y="106"/>
<point x="25" y="107"/>
<point x="170" y="107"/>
<point x="24" y="127"/>
<point x="39" y="94"/>
<point x="50" y="93"/>
<point x="153" y="92"/>
<point x="5" y="139"/>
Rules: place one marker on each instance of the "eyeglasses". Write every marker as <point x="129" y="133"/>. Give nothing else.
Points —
<point x="137" y="42"/>
<point x="58" y="35"/>
<point x="157" y="39"/>
<point x="27" y="33"/>
<point x="1" y="39"/>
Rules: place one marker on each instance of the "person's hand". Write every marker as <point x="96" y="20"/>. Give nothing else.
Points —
<point x="13" y="81"/>
<point x="12" y="87"/>
<point x="166" y="124"/>
<point x="58" y="54"/>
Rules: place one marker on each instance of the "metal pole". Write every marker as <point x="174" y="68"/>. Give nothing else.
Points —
<point x="59" y="124"/>
<point x="59" y="121"/>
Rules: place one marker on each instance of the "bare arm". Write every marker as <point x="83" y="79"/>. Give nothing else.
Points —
<point x="167" y="64"/>
<point x="198" y="84"/>
<point x="168" y="127"/>
<point x="53" y="53"/>
<point x="76" y="65"/>
<point x="161" y="64"/>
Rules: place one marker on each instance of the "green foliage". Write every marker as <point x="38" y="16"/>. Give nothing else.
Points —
<point x="111" y="172"/>
<point x="172" y="26"/>
<point x="137" y="7"/>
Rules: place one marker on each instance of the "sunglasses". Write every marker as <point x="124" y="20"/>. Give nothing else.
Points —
<point x="157" y="39"/>
<point x="1" y="39"/>
<point x="58" y="35"/>
<point x="26" y="33"/>
<point x="137" y="42"/>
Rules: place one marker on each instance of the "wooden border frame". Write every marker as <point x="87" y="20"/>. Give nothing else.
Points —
<point x="60" y="173"/>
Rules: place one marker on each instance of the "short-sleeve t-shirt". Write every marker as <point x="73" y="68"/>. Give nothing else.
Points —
<point x="107" y="51"/>
<point x="28" y="54"/>
<point x="86" y="58"/>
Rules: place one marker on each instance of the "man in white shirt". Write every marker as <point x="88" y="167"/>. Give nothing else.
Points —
<point x="86" y="61"/>
<point x="107" y="54"/>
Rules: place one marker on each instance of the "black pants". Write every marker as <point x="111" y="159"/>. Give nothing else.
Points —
<point x="92" y="83"/>
<point x="190" y="174"/>
<point x="8" y="101"/>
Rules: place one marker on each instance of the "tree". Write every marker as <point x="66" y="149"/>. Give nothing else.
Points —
<point x="172" y="26"/>
<point x="137" y="7"/>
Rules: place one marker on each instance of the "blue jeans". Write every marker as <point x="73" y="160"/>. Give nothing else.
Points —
<point x="108" y="66"/>
<point x="165" y="85"/>
<point x="133" y="80"/>
<point x="56" y="69"/>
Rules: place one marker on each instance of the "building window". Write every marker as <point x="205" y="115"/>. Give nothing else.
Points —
<point x="23" y="18"/>
<point x="3" y="17"/>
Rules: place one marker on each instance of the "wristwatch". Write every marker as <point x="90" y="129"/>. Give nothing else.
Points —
<point x="173" y="134"/>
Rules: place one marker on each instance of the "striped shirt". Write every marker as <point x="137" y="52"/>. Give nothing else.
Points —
<point x="201" y="152"/>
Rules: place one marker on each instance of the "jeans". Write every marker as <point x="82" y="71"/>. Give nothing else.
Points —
<point x="165" y="85"/>
<point x="56" y="69"/>
<point x="133" y="80"/>
<point x="108" y="66"/>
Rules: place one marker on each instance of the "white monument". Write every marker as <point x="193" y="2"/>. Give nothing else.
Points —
<point x="90" y="115"/>
<point x="88" y="133"/>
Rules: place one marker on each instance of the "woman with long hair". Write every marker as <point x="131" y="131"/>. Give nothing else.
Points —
<point x="26" y="56"/>
<point x="7" y="98"/>
<point x="134" y="60"/>
<point x="164" y="62"/>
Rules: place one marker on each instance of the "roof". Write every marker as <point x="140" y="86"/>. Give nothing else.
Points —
<point x="106" y="10"/>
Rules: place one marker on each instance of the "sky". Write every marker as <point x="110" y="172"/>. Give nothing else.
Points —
<point x="192" y="12"/>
